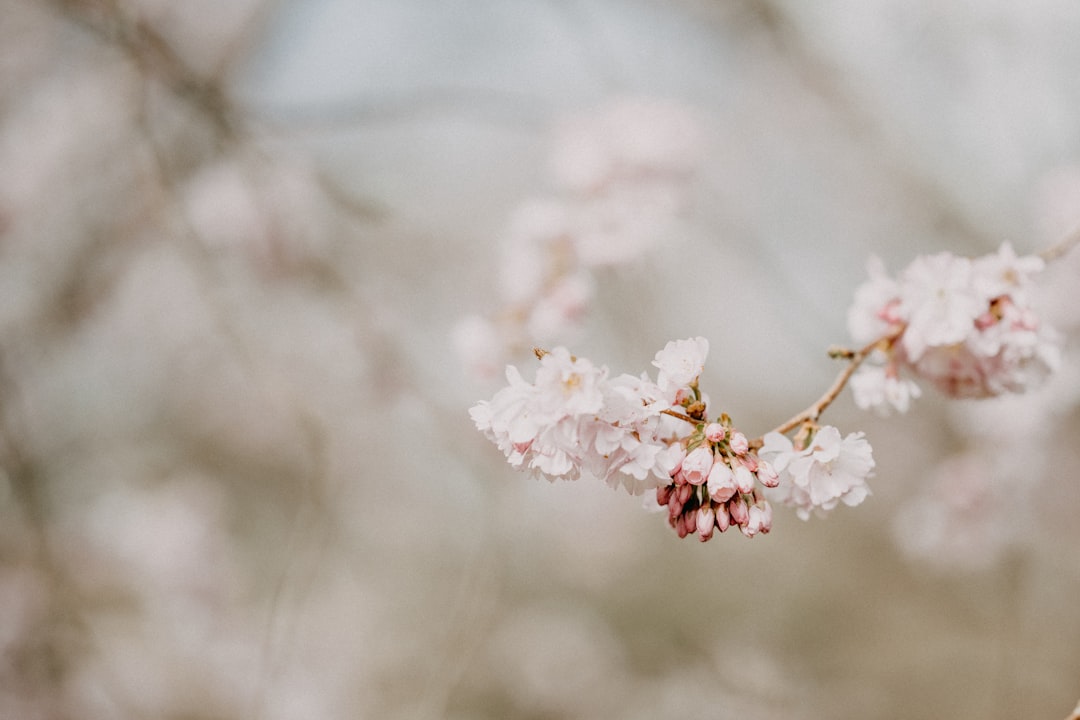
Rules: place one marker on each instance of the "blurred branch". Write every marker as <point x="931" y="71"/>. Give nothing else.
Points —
<point x="1063" y="246"/>
<point x="149" y="51"/>
<point x="23" y="473"/>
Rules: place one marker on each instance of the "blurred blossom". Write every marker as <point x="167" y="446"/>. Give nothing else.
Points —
<point x="621" y="172"/>
<point x="167" y="542"/>
<point x="633" y="139"/>
<point x="968" y="326"/>
<point x="964" y="518"/>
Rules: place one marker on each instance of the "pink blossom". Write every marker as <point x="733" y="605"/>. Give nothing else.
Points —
<point x="723" y="518"/>
<point x="721" y="482"/>
<point x="744" y="479"/>
<point x="759" y="519"/>
<point x="627" y="138"/>
<point x="939" y="302"/>
<point x="767" y="475"/>
<point x="574" y="419"/>
<point x="830" y="470"/>
<point x="706" y="521"/>
<point x="479" y="346"/>
<point x="875" y="388"/>
<point x="737" y="508"/>
<point x="559" y="310"/>
<point x="739" y="444"/>
<point x="867" y="320"/>
<point x="680" y="363"/>
<point x="697" y="465"/>
<point x="967" y="326"/>
<point x="715" y="432"/>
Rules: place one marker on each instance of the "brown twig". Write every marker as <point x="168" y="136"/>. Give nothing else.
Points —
<point x="1062" y="247"/>
<point x="676" y="414"/>
<point x="854" y="360"/>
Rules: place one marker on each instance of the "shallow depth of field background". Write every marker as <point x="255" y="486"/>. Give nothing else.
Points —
<point x="239" y="478"/>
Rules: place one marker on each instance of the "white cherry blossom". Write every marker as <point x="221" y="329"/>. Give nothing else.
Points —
<point x="830" y="470"/>
<point x="680" y="363"/>
<point x="574" y="419"/>
<point x="967" y="326"/>
<point x="875" y="388"/>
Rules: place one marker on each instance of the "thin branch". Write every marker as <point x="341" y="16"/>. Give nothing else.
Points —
<point x="1063" y="246"/>
<point x="676" y="414"/>
<point x="155" y="57"/>
<point x="855" y="359"/>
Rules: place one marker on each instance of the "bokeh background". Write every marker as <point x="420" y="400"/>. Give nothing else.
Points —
<point x="239" y="478"/>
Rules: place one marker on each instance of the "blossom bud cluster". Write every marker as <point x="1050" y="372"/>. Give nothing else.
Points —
<point x="653" y="436"/>
<point x="967" y="326"/>
<point x="620" y="175"/>
<point x="715" y="486"/>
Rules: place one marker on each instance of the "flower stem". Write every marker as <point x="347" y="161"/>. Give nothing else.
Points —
<point x="679" y="415"/>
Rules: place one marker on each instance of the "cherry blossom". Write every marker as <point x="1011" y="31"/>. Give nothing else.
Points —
<point x="967" y="326"/>
<point x="880" y="388"/>
<point x="828" y="471"/>
<point x="681" y="362"/>
<point x="573" y="418"/>
<point x="619" y="176"/>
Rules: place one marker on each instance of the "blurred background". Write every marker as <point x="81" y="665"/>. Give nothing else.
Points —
<point x="239" y="479"/>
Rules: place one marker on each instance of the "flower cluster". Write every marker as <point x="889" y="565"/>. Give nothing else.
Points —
<point x="715" y="486"/>
<point x="575" y="418"/>
<point x="967" y="326"/>
<point x="620" y="175"/>
<point x="655" y="436"/>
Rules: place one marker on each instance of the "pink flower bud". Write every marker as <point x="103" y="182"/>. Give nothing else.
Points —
<point x="767" y="475"/>
<point x="706" y="522"/>
<point x="723" y="519"/>
<point x="663" y="494"/>
<point x="750" y="460"/>
<point x="715" y="432"/>
<point x="690" y="520"/>
<point x="682" y="395"/>
<point x="986" y="320"/>
<point x="740" y="514"/>
<point x="685" y="491"/>
<point x="696" y="466"/>
<point x="680" y="527"/>
<point x="739" y="443"/>
<point x="766" y="517"/>
<point x="755" y="522"/>
<point x="721" y="481"/>
<point x="744" y="479"/>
